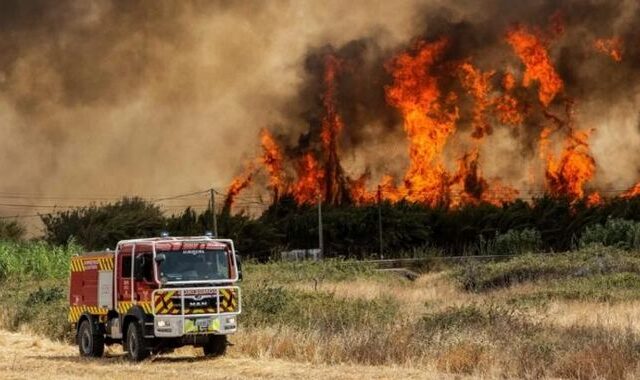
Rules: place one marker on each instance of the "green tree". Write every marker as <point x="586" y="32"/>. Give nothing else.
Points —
<point x="102" y="226"/>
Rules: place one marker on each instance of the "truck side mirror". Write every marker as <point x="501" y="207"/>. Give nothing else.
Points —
<point x="239" y="266"/>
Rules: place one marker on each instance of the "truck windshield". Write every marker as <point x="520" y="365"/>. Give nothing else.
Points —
<point x="194" y="265"/>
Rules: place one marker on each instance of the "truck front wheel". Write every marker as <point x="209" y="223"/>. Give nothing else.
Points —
<point x="90" y="342"/>
<point x="135" y="343"/>
<point x="216" y="345"/>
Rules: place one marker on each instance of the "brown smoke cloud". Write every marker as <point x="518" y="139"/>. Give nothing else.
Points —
<point x="157" y="97"/>
<point x="162" y="97"/>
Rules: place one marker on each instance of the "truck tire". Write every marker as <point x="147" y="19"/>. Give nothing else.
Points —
<point x="90" y="342"/>
<point x="135" y="343"/>
<point x="215" y="346"/>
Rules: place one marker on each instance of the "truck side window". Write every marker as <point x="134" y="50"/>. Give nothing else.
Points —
<point x="126" y="266"/>
<point x="147" y="267"/>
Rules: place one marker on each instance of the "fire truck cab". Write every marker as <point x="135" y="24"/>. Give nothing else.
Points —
<point x="153" y="295"/>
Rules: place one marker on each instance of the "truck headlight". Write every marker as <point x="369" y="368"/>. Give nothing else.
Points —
<point x="231" y="321"/>
<point x="162" y="323"/>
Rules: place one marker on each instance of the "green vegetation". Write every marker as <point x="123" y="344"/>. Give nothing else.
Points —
<point x="283" y="272"/>
<point x="610" y="288"/>
<point x="512" y="242"/>
<point x="615" y="232"/>
<point x="35" y="260"/>
<point x="545" y="224"/>
<point x="42" y="307"/>
<point x="316" y="311"/>
<point x="594" y="260"/>
<point x="99" y="227"/>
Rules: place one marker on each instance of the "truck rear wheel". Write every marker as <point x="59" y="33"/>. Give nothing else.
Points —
<point x="216" y="345"/>
<point x="90" y="342"/>
<point x="135" y="343"/>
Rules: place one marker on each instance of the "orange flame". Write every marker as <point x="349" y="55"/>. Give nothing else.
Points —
<point x="468" y="180"/>
<point x="610" y="46"/>
<point x="538" y="67"/>
<point x="358" y="189"/>
<point x="594" y="199"/>
<point x="507" y="106"/>
<point x="568" y="174"/>
<point x="238" y="184"/>
<point x="307" y="188"/>
<point x="426" y="121"/>
<point x="634" y="191"/>
<point x="389" y="191"/>
<point x="478" y="85"/>
<point x="273" y="161"/>
<point x="472" y="188"/>
<point x="430" y="116"/>
<point x="331" y="126"/>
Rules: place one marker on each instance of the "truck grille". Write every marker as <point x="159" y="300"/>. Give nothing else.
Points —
<point x="170" y="302"/>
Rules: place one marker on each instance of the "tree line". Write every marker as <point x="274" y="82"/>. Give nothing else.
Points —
<point x="348" y="231"/>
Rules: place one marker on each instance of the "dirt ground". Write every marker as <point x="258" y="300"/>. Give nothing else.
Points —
<point x="24" y="356"/>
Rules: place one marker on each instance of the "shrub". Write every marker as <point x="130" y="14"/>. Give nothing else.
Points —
<point x="515" y="242"/>
<point x="100" y="227"/>
<point x="276" y="306"/>
<point x="512" y="242"/>
<point x="586" y="262"/>
<point x="11" y="230"/>
<point x="620" y="233"/>
<point x="473" y="317"/>
<point x="42" y="311"/>
<point x="284" y="272"/>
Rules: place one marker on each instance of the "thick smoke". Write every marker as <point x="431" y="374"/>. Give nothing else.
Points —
<point x="157" y="97"/>
<point x="162" y="97"/>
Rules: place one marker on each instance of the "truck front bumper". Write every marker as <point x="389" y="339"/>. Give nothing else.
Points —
<point x="172" y="326"/>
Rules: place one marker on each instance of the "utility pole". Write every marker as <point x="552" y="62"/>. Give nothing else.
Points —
<point x="320" y="239"/>
<point x="214" y="221"/>
<point x="380" y="221"/>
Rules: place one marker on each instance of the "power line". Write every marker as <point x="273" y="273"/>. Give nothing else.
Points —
<point x="36" y="206"/>
<point x="180" y="196"/>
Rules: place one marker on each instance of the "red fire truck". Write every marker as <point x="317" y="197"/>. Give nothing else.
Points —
<point x="153" y="295"/>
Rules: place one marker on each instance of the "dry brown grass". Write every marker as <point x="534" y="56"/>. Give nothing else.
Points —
<point x="429" y="290"/>
<point x="556" y="338"/>
<point x="616" y="316"/>
<point x="596" y="362"/>
<point x="439" y="329"/>
<point x="24" y="356"/>
<point x="465" y="358"/>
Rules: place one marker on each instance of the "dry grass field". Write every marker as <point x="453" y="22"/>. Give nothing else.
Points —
<point x="24" y="356"/>
<point x="571" y="315"/>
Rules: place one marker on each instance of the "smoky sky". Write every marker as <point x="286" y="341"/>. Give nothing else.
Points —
<point x="163" y="97"/>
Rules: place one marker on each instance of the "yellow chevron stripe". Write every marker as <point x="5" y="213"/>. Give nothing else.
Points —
<point x="76" y="311"/>
<point x="106" y="263"/>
